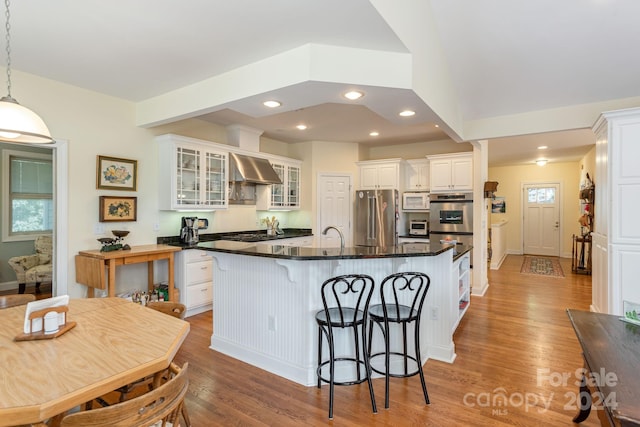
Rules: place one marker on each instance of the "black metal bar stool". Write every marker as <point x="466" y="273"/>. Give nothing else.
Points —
<point x="345" y="300"/>
<point x="402" y="296"/>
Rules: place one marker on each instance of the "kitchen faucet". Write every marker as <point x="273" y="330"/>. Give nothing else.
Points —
<point x="324" y="233"/>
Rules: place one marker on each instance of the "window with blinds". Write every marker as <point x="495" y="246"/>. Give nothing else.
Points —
<point x="29" y="203"/>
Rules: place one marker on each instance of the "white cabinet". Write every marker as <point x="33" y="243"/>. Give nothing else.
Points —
<point x="616" y="236"/>
<point x="380" y="174"/>
<point x="600" y="300"/>
<point x="306" y="241"/>
<point x="498" y="243"/>
<point x="412" y="240"/>
<point x="461" y="286"/>
<point x="451" y="172"/>
<point x="285" y="196"/>
<point x="417" y="175"/>
<point x="194" y="278"/>
<point x="192" y="176"/>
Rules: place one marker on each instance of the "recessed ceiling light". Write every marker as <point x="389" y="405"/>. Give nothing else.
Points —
<point x="271" y="104"/>
<point x="353" y="95"/>
<point x="407" y="113"/>
<point x="437" y="126"/>
<point x="541" y="162"/>
<point x="374" y="133"/>
<point x="542" y="147"/>
<point x="302" y="127"/>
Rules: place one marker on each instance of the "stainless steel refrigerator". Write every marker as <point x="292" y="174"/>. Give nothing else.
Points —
<point x="376" y="218"/>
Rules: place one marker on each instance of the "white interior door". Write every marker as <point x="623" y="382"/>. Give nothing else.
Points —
<point x="541" y="218"/>
<point x="334" y="208"/>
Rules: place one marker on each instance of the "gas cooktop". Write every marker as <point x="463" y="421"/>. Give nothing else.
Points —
<point x="249" y="237"/>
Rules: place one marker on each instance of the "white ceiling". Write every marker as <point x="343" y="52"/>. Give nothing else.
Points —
<point x="522" y="67"/>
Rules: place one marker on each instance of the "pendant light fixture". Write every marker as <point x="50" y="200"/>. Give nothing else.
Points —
<point x="18" y="123"/>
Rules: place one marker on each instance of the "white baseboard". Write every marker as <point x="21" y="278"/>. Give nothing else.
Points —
<point x="478" y="291"/>
<point x="441" y="353"/>
<point x="197" y="310"/>
<point x="307" y="376"/>
<point x="296" y="374"/>
<point x="495" y="265"/>
<point x="9" y="286"/>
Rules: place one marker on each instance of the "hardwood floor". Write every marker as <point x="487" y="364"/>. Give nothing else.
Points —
<point x="44" y="291"/>
<point x="512" y="347"/>
<point x="511" y="341"/>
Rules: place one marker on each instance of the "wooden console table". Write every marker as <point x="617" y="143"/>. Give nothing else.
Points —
<point x="611" y="379"/>
<point x="97" y="270"/>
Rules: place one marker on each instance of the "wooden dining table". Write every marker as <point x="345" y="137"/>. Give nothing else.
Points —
<point x="114" y="343"/>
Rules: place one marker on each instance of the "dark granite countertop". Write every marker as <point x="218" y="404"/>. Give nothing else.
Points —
<point x="306" y="253"/>
<point x="245" y="243"/>
<point x="239" y="236"/>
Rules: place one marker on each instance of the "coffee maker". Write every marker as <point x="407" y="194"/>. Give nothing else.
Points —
<point x="189" y="230"/>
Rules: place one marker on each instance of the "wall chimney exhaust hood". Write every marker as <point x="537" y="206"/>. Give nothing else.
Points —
<point x="251" y="169"/>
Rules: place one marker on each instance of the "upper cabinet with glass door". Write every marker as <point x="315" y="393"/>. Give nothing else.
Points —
<point x="285" y="196"/>
<point x="192" y="175"/>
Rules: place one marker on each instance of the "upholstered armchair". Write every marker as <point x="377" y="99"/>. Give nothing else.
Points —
<point x="36" y="268"/>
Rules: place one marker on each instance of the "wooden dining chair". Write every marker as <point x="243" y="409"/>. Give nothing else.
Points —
<point x="161" y="405"/>
<point x="174" y="309"/>
<point x="12" y="300"/>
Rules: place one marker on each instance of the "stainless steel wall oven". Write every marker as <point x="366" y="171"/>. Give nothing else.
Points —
<point x="451" y="218"/>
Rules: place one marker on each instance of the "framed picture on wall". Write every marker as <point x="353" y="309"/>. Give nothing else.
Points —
<point x="498" y="205"/>
<point x="116" y="174"/>
<point x="118" y="209"/>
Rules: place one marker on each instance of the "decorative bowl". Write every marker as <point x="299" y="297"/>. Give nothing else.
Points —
<point x="120" y="233"/>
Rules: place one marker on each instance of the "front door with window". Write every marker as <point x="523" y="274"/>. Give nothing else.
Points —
<point x="541" y="219"/>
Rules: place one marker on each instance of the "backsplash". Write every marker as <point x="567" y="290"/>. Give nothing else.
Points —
<point x="235" y="218"/>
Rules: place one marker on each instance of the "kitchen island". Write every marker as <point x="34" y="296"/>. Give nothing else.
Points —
<point x="266" y="297"/>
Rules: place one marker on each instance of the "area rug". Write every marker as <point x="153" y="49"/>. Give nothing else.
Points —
<point x="543" y="266"/>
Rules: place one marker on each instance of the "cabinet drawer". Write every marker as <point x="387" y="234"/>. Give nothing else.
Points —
<point x="194" y="255"/>
<point x="198" y="272"/>
<point x="198" y="295"/>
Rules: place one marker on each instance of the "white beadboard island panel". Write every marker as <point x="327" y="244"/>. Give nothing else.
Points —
<point x="264" y="308"/>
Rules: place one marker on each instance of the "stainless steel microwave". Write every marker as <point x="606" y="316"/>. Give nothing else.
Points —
<point x="419" y="227"/>
<point x="415" y="201"/>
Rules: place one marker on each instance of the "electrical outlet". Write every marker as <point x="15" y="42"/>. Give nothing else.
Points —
<point x="156" y="226"/>
<point x="434" y="313"/>
<point x="98" y="228"/>
<point x="272" y="323"/>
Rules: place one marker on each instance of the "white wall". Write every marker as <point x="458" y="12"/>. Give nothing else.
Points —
<point x="510" y="180"/>
<point x="320" y="157"/>
<point x="95" y="124"/>
<point x="414" y="150"/>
